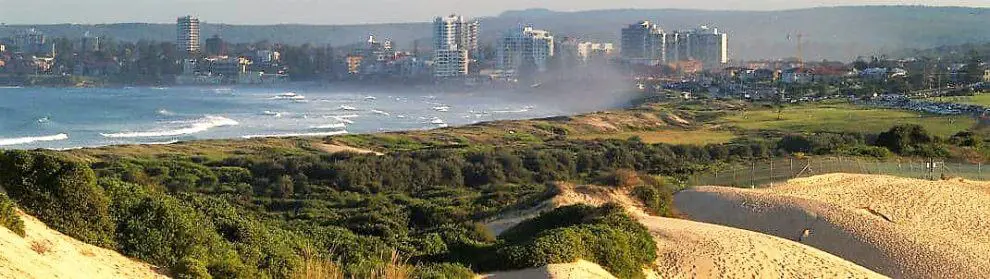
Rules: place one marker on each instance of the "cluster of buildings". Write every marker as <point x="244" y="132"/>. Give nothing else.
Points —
<point x="216" y="66"/>
<point x="646" y="43"/>
<point x="27" y="52"/>
<point x="456" y="54"/>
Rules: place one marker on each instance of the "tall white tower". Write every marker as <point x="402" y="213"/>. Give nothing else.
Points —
<point x="455" y="40"/>
<point x="187" y="30"/>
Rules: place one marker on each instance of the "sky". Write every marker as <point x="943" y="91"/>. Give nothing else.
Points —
<point x="367" y="11"/>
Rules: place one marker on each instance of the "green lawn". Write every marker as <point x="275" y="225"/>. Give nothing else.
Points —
<point x="843" y="118"/>
<point x="980" y="99"/>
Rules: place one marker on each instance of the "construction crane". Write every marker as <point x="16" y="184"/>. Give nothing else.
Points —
<point x="800" y="48"/>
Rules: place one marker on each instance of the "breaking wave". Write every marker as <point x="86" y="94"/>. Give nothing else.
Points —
<point x="197" y="126"/>
<point x="330" y="126"/>
<point x="27" y="140"/>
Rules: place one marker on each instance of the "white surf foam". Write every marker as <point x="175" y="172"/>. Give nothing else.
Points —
<point x="159" y="142"/>
<point x="513" y="111"/>
<point x="27" y="140"/>
<point x="319" y="134"/>
<point x="330" y="126"/>
<point x="375" y="111"/>
<point x="198" y="126"/>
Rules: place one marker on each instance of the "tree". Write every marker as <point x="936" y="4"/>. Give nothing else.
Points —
<point x="60" y="192"/>
<point x="905" y="139"/>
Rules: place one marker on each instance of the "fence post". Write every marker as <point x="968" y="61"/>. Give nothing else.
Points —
<point x="979" y="170"/>
<point x="771" y="171"/>
<point x="735" y="181"/>
<point x="752" y="175"/>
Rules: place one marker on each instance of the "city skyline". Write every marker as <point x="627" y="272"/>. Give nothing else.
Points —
<point x="368" y="11"/>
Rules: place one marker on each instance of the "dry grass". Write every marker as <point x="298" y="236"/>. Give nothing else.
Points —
<point x="319" y="267"/>
<point x="41" y="247"/>
<point x="395" y="268"/>
<point x="692" y="137"/>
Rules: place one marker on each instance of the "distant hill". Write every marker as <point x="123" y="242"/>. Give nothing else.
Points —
<point x="841" y="33"/>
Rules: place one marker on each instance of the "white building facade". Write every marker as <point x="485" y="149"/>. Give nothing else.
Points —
<point x="520" y="45"/>
<point x="455" y="42"/>
<point x="187" y="38"/>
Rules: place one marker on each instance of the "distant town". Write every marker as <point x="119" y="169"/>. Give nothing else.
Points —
<point x="682" y="63"/>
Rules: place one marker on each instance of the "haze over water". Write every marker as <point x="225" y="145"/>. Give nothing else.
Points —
<point x="58" y="118"/>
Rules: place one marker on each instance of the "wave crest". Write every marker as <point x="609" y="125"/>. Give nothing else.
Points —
<point x="27" y="140"/>
<point x="197" y="126"/>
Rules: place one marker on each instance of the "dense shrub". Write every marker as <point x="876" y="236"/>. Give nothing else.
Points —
<point x="967" y="139"/>
<point x="909" y="139"/>
<point x="443" y="271"/>
<point x="604" y="235"/>
<point x="60" y="192"/>
<point x="8" y="216"/>
<point x="162" y="230"/>
<point x="657" y="198"/>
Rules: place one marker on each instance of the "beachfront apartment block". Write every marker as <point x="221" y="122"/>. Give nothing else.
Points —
<point x="455" y="42"/>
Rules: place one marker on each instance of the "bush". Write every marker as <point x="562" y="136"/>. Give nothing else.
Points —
<point x="189" y="268"/>
<point x="8" y="216"/>
<point x="61" y="193"/>
<point x="162" y="230"/>
<point x="657" y="199"/>
<point x="908" y="139"/>
<point x="443" y="271"/>
<point x="604" y="235"/>
<point x="864" y="150"/>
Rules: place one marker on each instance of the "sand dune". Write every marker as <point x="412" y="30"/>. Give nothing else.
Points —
<point x="579" y="270"/>
<point x="65" y="257"/>
<point x="688" y="249"/>
<point x="903" y="228"/>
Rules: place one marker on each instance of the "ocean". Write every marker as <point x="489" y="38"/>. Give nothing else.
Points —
<point x="64" y="118"/>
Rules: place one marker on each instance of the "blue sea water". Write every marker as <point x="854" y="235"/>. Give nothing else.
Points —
<point x="59" y="118"/>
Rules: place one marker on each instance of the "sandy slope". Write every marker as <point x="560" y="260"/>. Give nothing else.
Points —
<point x="688" y="249"/>
<point x="65" y="258"/>
<point x="904" y="228"/>
<point x="338" y="148"/>
<point x="579" y="270"/>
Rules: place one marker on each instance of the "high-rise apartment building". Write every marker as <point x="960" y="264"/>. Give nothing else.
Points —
<point x="709" y="46"/>
<point x="215" y="46"/>
<point x="644" y="43"/>
<point x="520" y="45"/>
<point x="187" y="38"/>
<point x="647" y="43"/>
<point x="455" y="42"/>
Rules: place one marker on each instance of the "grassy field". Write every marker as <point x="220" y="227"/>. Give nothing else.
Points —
<point x="980" y="99"/>
<point x="843" y="118"/>
<point x="693" y="137"/>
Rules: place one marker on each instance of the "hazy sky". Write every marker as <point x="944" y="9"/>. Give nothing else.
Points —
<point x="366" y="11"/>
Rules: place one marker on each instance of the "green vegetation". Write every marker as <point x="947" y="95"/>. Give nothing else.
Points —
<point x="285" y="208"/>
<point x="253" y="213"/>
<point x="61" y="193"/>
<point x="693" y="137"/>
<point x="844" y="118"/>
<point x="605" y="235"/>
<point x="8" y="216"/>
<point x="979" y="99"/>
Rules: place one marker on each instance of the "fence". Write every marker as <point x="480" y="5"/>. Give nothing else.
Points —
<point x="769" y="171"/>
